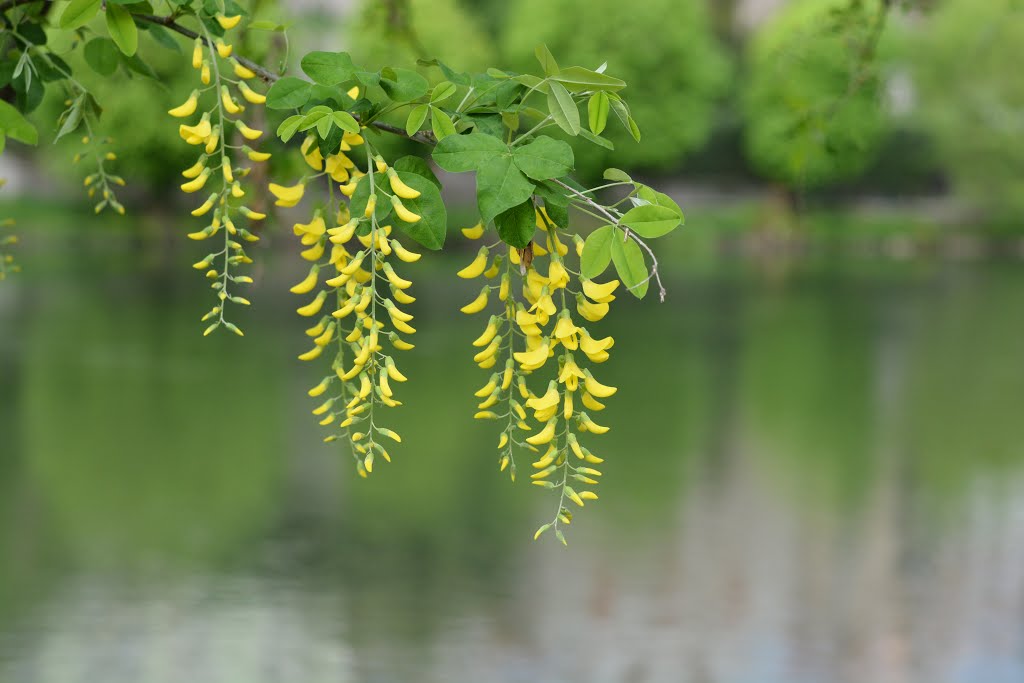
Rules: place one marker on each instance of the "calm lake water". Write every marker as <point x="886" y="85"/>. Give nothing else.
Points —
<point x="813" y="476"/>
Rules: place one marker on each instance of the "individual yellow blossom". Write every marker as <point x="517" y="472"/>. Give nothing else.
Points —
<point x="590" y="310"/>
<point x="595" y="388"/>
<point x="478" y="304"/>
<point x="403" y="213"/>
<point x="187" y="108"/>
<point x="287" y="195"/>
<point x="600" y="293"/>
<point x="314" y="306"/>
<point x="474" y="233"/>
<point x="400" y="188"/>
<point x="251" y="95"/>
<point x="476" y="267"/>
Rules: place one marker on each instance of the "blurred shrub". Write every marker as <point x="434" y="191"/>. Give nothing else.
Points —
<point x="966" y="64"/>
<point x="805" y="125"/>
<point x="665" y="49"/>
<point x="397" y="32"/>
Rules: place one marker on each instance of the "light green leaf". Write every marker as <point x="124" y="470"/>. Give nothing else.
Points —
<point x="416" y="165"/>
<point x="617" y="175"/>
<point x="597" y="251"/>
<point x="102" y="55"/>
<point x="288" y="93"/>
<point x="78" y="13"/>
<point x="122" y="29"/>
<point x="500" y="186"/>
<point x="596" y="139"/>
<point x="328" y="68"/>
<point x="416" y="118"/>
<point x="442" y="91"/>
<point x="517" y="225"/>
<point x="597" y="109"/>
<point x="630" y="265"/>
<point x="289" y="127"/>
<point x="544" y="158"/>
<point x="622" y="111"/>
<point x="546" y="59"/>
<point x="15" y="125"/>
<point x="403" y="85"/>
<point x="460" y="153"/>
<point x="441" y="124"/>
<point x="659" y="199"/>
<point x="563" y="109"/>
<point x="652" y="220"/>
<point x="577" y="79"/>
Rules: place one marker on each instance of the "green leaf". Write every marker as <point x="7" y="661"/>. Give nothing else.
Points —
<point x="101" y="54"/>
<point x="597" y="251"/>
<point x="556" y="203"/>
<point x="577" y="79"/>
<point x="441" y="124"/>
<point x="533" y="82"/>
<point x="617" y="175"/>
<point x="563" y="109"/>
<point x="71" y="118"/>
<point x="289" y="127"/>
<point x="122" y="29"/>
<point x="517" y="225"/>
<point x="442" y="91"/>
<point x="314" y="116"/>
<point x="288" y="93"/>
<point x="597" y="110"/>
<point x="78" y="13"/>
<point x="416" y="118"/>
<point x="328" y="68"/>
<point x="433" y="224"/>
<point x="622" y="111"/>
<point x="597" y="139"/>
<point x="15" y="125"/>
<point x="651" y="220"/>
<point x="163" y="36"/>
<point x="345" y="121"/>
<point x="544" y="158"/>
<point x="500" y="186"/>
<point x="403" y="85"/>
<point x="460" y="153"/>
<point x="362" y="195"/>
<point x="660" y="199"/>
<point x="417" y="166"/>
<point x="629" y="264"/>
<point x="547" y="60"/>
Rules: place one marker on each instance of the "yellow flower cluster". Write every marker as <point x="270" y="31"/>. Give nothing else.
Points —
<point x="533" y="330"/>
<point x="222" y="138"/>
<point x="357" y="280"/>
<point x="7" y="262"/>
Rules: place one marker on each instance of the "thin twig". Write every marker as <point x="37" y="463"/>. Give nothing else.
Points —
<point x="629" y="234"/>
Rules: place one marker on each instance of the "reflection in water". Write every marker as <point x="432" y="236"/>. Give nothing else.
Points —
<point x="817" y="481"/>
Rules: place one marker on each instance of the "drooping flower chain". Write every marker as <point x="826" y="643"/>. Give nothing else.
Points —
<point x="544" y="322"/>
<point x="358" y="382"/>
<point x="214" y="165"/>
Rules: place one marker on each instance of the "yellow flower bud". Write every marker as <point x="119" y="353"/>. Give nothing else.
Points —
<point x="186" y="108"/>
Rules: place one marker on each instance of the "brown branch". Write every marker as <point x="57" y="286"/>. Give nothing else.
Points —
<point x="170" y="23"/>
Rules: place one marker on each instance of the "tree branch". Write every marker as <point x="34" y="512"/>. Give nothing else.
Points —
<point x="170" y="23"/>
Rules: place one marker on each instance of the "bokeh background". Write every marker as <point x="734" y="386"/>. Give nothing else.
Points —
<point x="815" y="472"/>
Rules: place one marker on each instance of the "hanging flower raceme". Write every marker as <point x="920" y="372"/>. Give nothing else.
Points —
<point x="222" y="139"/>
<point x="545" y="323"/>
<point x="353" y="274"/>
<point x="100" y="182"/>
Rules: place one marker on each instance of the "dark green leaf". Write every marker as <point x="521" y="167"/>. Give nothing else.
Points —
<point x="79" y="13"/>
<point x="556" y="203"/>
<point x="544" y="158"/>
<point x="630" y="265"/>
<point x="162" y="36"/>
<point x="563" y="109"/>
<point x="403" y="85"/>
<point x="500" y="186"/>
<point x="433" y="224"/>
<point x="451" y="75"/>
<point x="506" y="94"/>
<point x="460" y="153"/>
<point x="416" y="165"/>
<point x="288" y="93"/>
<point x="652" y="220"/>
<point x="517" y="225"/>
<point x="441" y="124"/>
<point x="362" y="195"/>
<point x="122" y="29"/>
<point x="328" y="68"/>
<point x="597" y="251"/>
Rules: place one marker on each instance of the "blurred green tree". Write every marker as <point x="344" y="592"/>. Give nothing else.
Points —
<point x="811" y="99"/>
<point x="965" y="63"/>
<point x="667" y="45"/>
